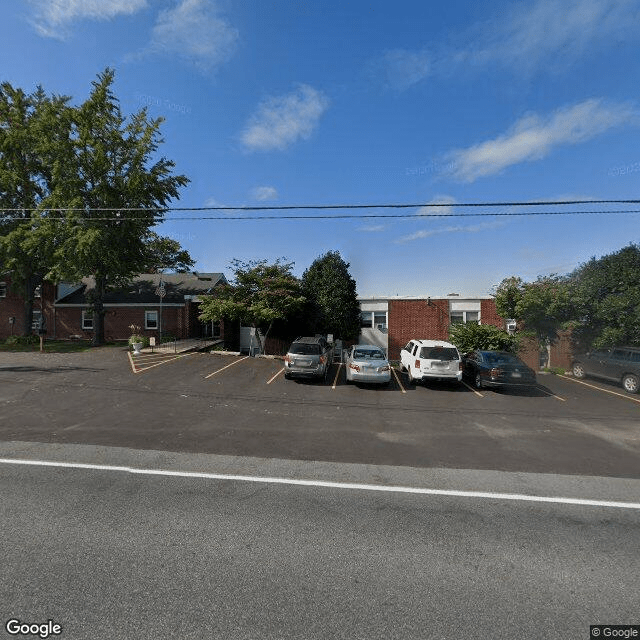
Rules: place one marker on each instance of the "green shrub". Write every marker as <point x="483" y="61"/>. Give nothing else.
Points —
<point x="22" y="340"/>
<point x="470" y="336"/>
<point x="556" y="370"/>
<point x="139" y="338"/>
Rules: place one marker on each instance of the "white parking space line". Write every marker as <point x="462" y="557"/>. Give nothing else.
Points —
<point x="592" y="386"/>
<point x="328" y="484"/>
<point x="276" y="375"/>
<point x="223" y="368"/>
<point x="472" y="389"/>
<point x="398" y="380"/>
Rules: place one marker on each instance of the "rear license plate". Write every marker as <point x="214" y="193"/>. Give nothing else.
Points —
<point x="516" y="375"/>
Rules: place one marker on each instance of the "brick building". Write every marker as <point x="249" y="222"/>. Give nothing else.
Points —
<point x="67" y="309"/>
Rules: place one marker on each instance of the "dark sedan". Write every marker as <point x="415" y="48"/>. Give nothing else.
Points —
<point x="496" y="369"/>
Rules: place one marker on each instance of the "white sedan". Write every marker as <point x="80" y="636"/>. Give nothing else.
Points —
<point x="367" y="363"/>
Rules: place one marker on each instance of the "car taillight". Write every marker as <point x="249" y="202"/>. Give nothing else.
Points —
<point x="323" y="359"/>
<point x="288" y="359"/>
<point x="417" y="364"/>
<point x="355" y="367"/>
<point x="495" y="373"/>
<point x="460" y="365"/>
<point x="385" y="368"/>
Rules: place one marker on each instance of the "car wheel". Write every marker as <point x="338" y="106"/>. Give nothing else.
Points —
<point x="287" y="376"/>
<point x="478" y="381"/>
<point x="631" y="383"/>
<point x="578" y="371"/>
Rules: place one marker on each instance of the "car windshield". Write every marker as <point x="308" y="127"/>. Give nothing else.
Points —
<point x="369" y="354"/>
<point x="438" y="353"/>
<point x="304" y="349"/>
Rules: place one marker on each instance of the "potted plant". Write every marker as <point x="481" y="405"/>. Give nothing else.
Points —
<point x="136" y="340"/>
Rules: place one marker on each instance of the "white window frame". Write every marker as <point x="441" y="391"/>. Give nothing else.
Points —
<point x="362" y="321"/>
<point x="147" y="315"/>
<point x="464" y="316"/>
<point x="87" y="320"/>
<point x="381" y="326"/>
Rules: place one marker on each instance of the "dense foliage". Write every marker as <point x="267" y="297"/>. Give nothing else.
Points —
<point x="600" y="300"/>
<point x="87" y="189"/>
<point x="470" y="336"/>
<point x="331" y="291"/>
<point x="259" y="294"/>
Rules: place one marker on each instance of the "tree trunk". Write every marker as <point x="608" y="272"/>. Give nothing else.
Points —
<point x="28" y="307"/>
<point x="98" y="313"/>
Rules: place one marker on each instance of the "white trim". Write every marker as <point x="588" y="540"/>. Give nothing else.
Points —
<point x="84" y="318"/>
<point x="146" y="319"/>
<point x="123" y="304"/>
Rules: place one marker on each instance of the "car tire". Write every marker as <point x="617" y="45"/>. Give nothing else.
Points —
<point x="287" y="376"/>
<point x="478" y="380"/>
<point x="578" y="370"/>
<point x="631" y="383"/>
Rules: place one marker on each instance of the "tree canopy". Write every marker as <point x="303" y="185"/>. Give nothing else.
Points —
<point x="97" y="187"/>
<point x="259" y="294"/>
<point x="469" y="336"/>
<point x="333" y="302"/>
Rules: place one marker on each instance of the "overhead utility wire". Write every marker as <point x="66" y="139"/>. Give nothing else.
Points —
<point x="365" y="216"/>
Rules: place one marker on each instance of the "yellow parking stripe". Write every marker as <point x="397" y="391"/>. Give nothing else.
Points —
<point x="472" y="389"/>
<point x="592" y="386"/>
<point x="276" y="375"/>
<point x="550" y="394"/>
<point x="135" y="365"/>
<point x="395" y="375"/>
<point x="223" y="368"/>
<point x="335" y="380"/>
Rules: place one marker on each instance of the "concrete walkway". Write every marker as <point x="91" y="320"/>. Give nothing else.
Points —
<point x="180" y="346"/>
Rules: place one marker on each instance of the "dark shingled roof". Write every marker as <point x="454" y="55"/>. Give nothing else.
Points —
<point x="142" y="289"/>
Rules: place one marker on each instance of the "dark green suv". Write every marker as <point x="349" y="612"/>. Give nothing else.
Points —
<point x="619" y="364"/>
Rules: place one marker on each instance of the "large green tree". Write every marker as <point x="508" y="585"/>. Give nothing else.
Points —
<point x="606" y="292"/>
<point x="259" y="294"/>
<point x="27" y="123"/>
<point x="111" y="189"/>
<point x="331" y="291"/>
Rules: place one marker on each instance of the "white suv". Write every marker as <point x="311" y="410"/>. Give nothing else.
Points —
<point x="431" y="360"/>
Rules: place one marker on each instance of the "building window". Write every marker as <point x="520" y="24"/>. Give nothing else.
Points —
<point x="87" y="320"/>
<point x="150" y="319"/>
<point x="380" y="320"/>
<point x="37" y="292"/>
<point x="35" y="322"/>
<point x="3" y="289"/>
<point x="460" y="317"/>
<point x="366" y="318"/>
<point x="216" y="329"/>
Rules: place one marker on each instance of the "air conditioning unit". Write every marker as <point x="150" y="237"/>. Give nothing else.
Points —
<point x="511" y="326"/>
<point x="381" y="327"/>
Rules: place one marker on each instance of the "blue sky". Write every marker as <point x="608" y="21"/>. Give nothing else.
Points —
<point x="292" y="102"/>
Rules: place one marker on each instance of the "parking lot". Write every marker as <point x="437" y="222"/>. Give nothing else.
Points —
<point x="237" y="405"/>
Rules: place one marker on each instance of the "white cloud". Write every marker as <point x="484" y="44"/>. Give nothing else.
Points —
<point x="53" y="17"/>
<point x="440" y="200"/>
<point x="372" y="228"/>
<point x="264" y="193"/>
<point x="534" y="137"/>
<point x="403" y="69"/>
<point x="551" y="32"/>
<point x="212" y="202"/>
<point x="283" y="120"/>
<point x="458" y="228"/>
<point x="523" y="37"/>
<point x="194" y="30"/>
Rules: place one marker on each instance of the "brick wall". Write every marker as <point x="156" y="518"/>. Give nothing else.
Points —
<point x="12" y="306"/>
<point x="489" y="315"/>
<point x="410" y="319"/>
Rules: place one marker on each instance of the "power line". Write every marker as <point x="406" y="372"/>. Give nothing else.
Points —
<point x="533" y="203"/>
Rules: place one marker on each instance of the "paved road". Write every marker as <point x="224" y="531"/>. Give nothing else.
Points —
<point x="241" y="409"/>
<point x="109" y="554"/>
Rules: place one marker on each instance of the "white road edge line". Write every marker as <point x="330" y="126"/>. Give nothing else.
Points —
<point x="323" y="483"/>
<point x="472" y="389"/>
<point x="223" y="368"/>
<point x="593" y="386"/>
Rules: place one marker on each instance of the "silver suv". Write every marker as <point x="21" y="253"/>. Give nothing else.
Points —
<point x="618" y="364"/>
<point x="308" y="358"/>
